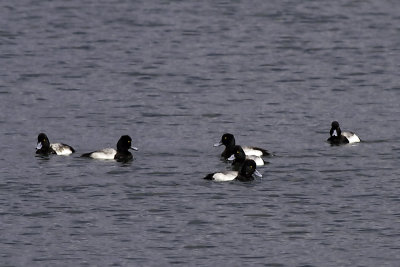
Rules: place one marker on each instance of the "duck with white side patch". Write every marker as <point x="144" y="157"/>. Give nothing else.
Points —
<point x="337" y="137"/>
<point x="44" y="147"/>
<point x="121" y="154"/>
<point x="228" y="140"/>
<point x="239" y="158"/>
<point x="245" y="174"/>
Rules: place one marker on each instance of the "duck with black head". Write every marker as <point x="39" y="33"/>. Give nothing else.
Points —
<point x="122" y="153"/>
<point x="245" y="174"/>
<point x="228" y="140"/>
<point x="337" y="137"/>
<point x="44" y="147"/>
<point x="239" y="157"/>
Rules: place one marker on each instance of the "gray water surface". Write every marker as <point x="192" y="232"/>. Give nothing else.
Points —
<point x="175" y="76"/>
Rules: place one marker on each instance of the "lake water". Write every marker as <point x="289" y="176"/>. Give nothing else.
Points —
<point x="175" y="76"/>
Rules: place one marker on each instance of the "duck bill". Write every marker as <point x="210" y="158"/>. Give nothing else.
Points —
<point x="134" y="148"/>
<point x="39" y="145"/>
<point x="258" y="174"/>
<point x="334" y="133"/>
<point x="232" y="157"/>
<point x="218" y="144"/>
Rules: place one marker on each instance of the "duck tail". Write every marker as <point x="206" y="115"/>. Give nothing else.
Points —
<point x="264" y="151"/>
<point x="209" y="177"/>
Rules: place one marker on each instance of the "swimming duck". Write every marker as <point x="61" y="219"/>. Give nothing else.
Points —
<point x="228" y="140"/>
<point x="337" y="137"/>
<point x="44" y="147"/>
<point x="239" y="158"/>
<point x="244" y="175"/>
<point x="121" y="154"/>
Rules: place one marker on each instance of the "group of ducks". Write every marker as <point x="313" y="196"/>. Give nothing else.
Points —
<point x="122" y="154"/>
<point x="244" y="159"/>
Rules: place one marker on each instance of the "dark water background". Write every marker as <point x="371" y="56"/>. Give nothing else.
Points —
<point x="176" y="75"/>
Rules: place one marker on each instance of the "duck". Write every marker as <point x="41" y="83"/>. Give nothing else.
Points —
<point x="228" y="140"/>
<point x="337" y="137"/>
<point x="122" y="153"/>
<point x="245" y="174"/>
<point x="238" y="157"/>
<point x="44" y="147"/>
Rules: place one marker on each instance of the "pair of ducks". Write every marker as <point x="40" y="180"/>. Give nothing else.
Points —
<point x="245" y="159"/>
<point x="122" y="154"/>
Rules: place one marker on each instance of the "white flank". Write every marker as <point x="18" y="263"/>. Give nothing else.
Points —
<point x="259" y="161"/>
<point x="352" y="137"/>
<point x="251" y="152"/>
<point x="60" y="149"/>
<point x="225" y="176"/>
<point x="107" y="153"/>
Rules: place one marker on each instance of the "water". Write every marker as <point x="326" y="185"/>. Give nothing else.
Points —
<point x="175" y="76"/>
